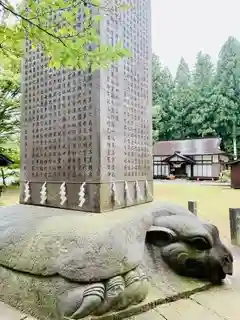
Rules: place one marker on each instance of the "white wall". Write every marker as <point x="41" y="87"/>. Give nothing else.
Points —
<point x="165" y="170"/>
<point x="204" y="170"/>
<point x="207" y="158"/>
<point x="188" y="170"/>
<point x="160" y="170"/>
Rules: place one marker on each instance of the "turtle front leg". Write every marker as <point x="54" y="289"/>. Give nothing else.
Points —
<point x="97" y="298"/>
<point x="123" y="291"/>
<point x="136" y="289"/>
<point x="81" y="301"/>
<point x="114" y="288"/>
<point x="115" y="294"/>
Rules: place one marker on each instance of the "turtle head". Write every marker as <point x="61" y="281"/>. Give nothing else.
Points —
<point x="191" y="248"/>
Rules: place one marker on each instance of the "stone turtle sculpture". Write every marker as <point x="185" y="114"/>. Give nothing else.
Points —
<point x="189" y="246"/>
<point x="59" y="264"/>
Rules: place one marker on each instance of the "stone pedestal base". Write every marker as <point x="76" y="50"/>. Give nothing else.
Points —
<point x="42" y="297"/>
<point x="98" y="197"/>
<point x="58" y="264"/>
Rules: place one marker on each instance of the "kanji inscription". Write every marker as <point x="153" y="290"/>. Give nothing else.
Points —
<point x="58" y="112"/>
<point x="91" y="128"/>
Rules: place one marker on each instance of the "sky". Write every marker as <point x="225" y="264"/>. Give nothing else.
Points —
<point x="185" y="27"/>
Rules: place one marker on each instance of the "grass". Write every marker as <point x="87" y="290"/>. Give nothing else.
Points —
<point x="10" y="196"/>
<point x="213" y="201"/>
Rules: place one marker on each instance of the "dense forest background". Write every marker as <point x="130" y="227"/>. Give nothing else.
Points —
<point x="202" y="102"/>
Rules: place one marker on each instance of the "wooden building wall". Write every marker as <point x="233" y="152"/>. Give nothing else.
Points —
<point x="205" y="167"/>
<point x="160" y="169"/>
<point x="235" y="175"/>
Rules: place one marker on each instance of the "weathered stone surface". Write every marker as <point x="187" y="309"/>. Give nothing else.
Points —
<point x="9" y="313"/>
<point x="220" y="301"/>
<point x="55" y="298"/>
<point x="93" y="127"/>
<point x="188" y="245"/>
<point x="152" y="314"/>
<point x="83" y="248"/>
<point x="43" y="297"/>
<point x="60" y="264"/>
<point x="186" y="309"/>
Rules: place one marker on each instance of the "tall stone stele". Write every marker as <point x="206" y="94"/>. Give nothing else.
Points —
<point x="86" y="137"/>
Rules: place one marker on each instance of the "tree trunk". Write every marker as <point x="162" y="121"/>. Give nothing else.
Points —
<point x="234" y="141"/>
<point x="3" y="177"/>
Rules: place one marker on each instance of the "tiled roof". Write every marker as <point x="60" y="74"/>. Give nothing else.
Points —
<point x="188" y="147"/>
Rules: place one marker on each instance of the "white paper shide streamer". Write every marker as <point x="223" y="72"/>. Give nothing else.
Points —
<point x="43" y="193"/>
<point x="147" y="189"/>
<point x="139" y="196"/>
<point x="63" y="193"/>
<point x="114" y="194"/>
<point x="82" y="194"/>
<point x="27" y="192"/>
<point x="127" y="194"/>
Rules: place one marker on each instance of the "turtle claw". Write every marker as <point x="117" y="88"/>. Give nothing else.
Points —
<point x="123" y="291"/>
<point x="115" y="287"/>
<point x="136" y="289"/>
<point x="97" y="299"/>
<point x="82" y="301"/>
<point x="90" y="303"/>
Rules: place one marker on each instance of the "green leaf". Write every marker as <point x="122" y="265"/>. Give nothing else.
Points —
<point x="58" y="37"/>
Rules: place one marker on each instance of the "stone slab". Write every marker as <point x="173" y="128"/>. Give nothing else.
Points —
<point x="9" y="313"/>
<point x="224" y="300"/>
<point x="156" y="297"/>
<point x="186" y="309"/>
<point x="150" y="315"/>
<point x="224" y="303"/>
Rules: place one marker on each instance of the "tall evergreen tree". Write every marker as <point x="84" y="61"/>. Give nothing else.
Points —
<point x="181" y="100"/>
<point x="200" y="115"/>
<point x="204" y="102"/>
<point x="162" y="94"/>
<point x="182" y="79"/>
<point x="9" y="108"/>
<point x="202" y="75"/>
<point x="227" y="93"/>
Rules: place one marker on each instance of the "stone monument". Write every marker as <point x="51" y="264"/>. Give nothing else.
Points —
<point x="86" y="146"/>
<point x="86" y="137"/>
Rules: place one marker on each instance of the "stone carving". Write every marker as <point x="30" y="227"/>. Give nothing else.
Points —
<point x="93" y="264"/>
<point x="27" y="192"/>
<point x="139" y="196"/>
<point x="147" y="190"/>
<point x="115" y="294"/>
<point x="81" y="194"/>
<point x="127" y="194"/>
<point x="113" y="121"/>
<point x="63" y="194"/>
<point x="189" y="246"/>
<point x="43" y="193"/>
<point x="114" y="194"/>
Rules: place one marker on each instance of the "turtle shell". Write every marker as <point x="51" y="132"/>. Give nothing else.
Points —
<point x="79" y="246"/>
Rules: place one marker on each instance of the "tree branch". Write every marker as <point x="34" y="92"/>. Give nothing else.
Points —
<point x="32" y="23"/>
